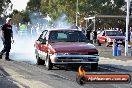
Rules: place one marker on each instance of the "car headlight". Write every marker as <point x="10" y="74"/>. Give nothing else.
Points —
<point x="109" y="40"/>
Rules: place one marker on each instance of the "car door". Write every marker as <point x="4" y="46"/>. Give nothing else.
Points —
<point x="43" y="46"/>
<point x="38" y="44"/>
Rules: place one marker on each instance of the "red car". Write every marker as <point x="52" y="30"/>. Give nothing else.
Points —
<point x="107" y="37"/>
<point x="65" y="46"/>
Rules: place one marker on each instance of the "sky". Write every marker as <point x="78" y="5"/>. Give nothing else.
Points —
<point x="19" y="4"/>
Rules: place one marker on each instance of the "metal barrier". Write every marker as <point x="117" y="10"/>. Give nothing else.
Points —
<point x="119" y="50"/>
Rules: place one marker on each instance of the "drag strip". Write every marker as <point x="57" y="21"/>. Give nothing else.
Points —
<point x="71" y="73"/>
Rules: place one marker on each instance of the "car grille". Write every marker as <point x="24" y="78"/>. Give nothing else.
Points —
<point x="88" y="53"/>
<point x="119" y="40"/>
<point x="76" y="59"/>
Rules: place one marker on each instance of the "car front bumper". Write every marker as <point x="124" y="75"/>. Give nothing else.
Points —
<point x="74" y="59"/>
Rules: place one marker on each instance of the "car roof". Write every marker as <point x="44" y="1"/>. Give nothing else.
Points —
<point x="62" y="29"/>
<point x="110" y="30"/>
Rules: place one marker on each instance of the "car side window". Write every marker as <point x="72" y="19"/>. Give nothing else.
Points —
<point x="102" y="33"/>
<point x="42" y="36"/>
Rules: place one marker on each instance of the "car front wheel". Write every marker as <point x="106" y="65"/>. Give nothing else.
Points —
<point x="48" y="63"/>
<point x="107" y="45"/>
<point x="39" y="61"/>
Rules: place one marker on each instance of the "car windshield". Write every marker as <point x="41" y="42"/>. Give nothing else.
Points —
<point x="67" y="36"/>
<point x="113" y="33"/>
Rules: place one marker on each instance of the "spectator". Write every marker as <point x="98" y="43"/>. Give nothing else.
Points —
<point x="129" y="36"/>
<point x="94" y="36"/>
<point x="88" y="34"/>
<point x="7" y="38"/>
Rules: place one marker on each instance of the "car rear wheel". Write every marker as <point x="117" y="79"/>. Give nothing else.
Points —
<point x="39" y="61"/>
<point x="48" y="63"/>
<point x="94" y="66"/>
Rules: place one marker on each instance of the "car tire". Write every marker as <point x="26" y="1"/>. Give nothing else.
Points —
<point x="39" y="61"/>
<point x="48" y="63"/>
<point x="107" y="44"/>
<point x="94" y="66"/>
<point x="99" y="44"/>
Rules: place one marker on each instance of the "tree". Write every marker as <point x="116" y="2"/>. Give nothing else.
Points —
<point x="102" y="7"/>
<point x="55" y="8"/>
<point x="20" y="17"/>
<point x="4" y="5"/>
<point x="33" y="5"/>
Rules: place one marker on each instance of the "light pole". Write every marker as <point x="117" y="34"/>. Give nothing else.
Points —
<point x="77" y="13"/>
<point x="127" y="28"/>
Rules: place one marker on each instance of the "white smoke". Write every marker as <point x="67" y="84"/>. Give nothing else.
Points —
<point x="23" y="47"/>
<point x="23" y="50"/>
<point x="61" y="22"/>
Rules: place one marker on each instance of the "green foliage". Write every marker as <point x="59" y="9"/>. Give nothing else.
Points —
<point x="33" y="5"/>
<point x="86" y="7"/>
<point x="102" y="7"/>
<point x="20" y="17"/>
<point x="55" y="8"/>
<point x="4" y="4"/>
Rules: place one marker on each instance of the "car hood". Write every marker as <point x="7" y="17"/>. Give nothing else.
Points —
<point x="117" y="37"/>
<point x="74" y="48"/>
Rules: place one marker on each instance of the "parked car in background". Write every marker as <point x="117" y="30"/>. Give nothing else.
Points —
<point x="108" y="36"/>
<point x="65" y="46"/>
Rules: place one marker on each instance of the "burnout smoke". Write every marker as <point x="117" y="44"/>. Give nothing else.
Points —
<point x="23" y="47"/>
<point x="61" y="22"/>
